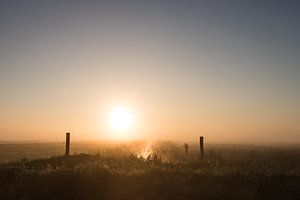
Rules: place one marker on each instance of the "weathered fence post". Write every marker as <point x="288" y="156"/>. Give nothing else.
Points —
<point x="202" y="147"/>
<point x="67" y="153"/>
<point x="186" y="149"/>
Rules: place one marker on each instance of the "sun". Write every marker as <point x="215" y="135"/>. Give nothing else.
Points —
<point x="120" y="119"/>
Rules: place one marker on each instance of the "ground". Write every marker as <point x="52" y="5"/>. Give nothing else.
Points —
<point x="155" y="171"/>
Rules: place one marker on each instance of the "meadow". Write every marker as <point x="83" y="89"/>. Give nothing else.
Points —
<point x="148" y="170"/>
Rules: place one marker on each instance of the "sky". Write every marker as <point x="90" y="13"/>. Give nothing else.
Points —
<point x="228" y="70"/>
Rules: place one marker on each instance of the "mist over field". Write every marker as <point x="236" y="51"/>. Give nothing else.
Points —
<point x="156" y="170"/>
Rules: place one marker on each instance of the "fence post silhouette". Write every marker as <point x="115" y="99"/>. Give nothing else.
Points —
<point x="67" y="153"/>
<point x="201" y="147"/>
<point x="186" y="149"/>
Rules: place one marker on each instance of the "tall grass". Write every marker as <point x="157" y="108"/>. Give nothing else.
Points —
<point x="156" y="171"/>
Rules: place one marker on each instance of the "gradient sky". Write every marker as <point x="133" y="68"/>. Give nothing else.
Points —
<point x="229" y="70"/>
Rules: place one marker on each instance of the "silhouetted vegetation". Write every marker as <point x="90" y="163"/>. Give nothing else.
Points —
<point x="159" y="171"/>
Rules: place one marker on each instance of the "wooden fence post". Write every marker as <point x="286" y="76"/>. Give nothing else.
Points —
<point x="202" y="147"/>
<point x="67" y="153"/>
<point x="186" y="149"/>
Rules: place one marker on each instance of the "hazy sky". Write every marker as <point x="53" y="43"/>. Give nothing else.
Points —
<point x="229" y="70"/>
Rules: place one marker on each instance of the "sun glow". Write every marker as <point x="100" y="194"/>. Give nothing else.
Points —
<point x="120" y="119"/>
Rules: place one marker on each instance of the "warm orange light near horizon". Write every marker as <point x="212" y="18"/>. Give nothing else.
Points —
<point x="121" y="121"/>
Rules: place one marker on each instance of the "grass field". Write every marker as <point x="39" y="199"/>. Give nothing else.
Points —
<point x="141" y="170"/>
